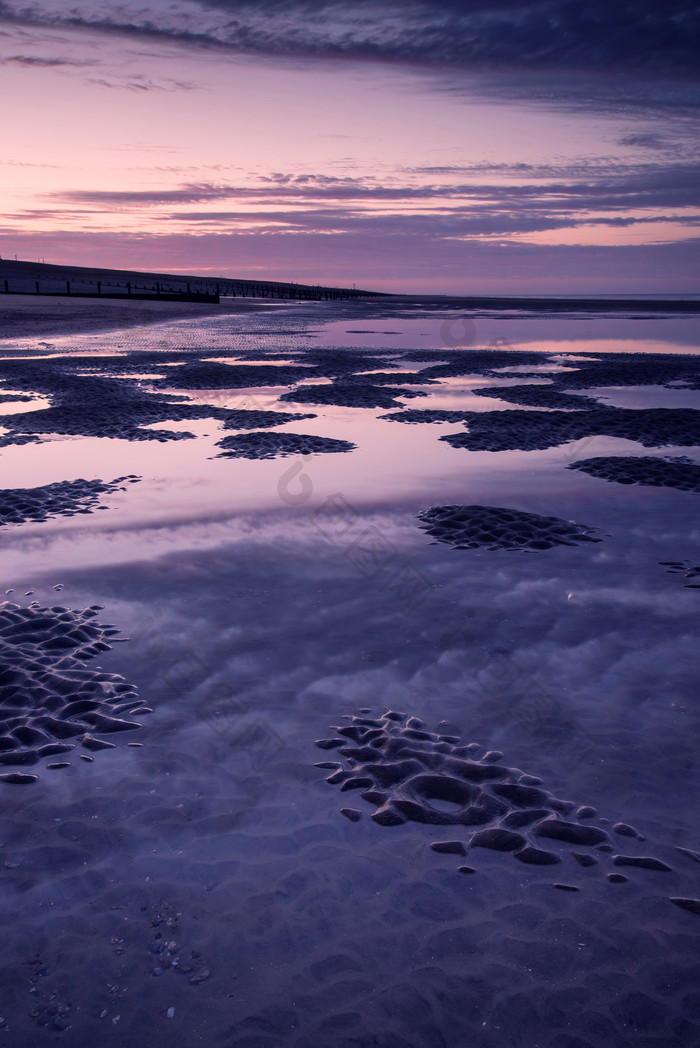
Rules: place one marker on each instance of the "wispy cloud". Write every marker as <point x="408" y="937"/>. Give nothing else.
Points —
<point x="654" y="35"/>
<point x="140" y="83"/>
<point x="467" y="185"/>
<point x="6" y="162"/>
<point x="609" y="188"/>
<point x="424" y="217"/>
<point x="451" y="224"/>
<point x="646" y="140"/>
<point x="35" y="61"/>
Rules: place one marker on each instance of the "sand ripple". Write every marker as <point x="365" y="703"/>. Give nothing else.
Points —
<point x="273" y="445"/>
<point x="491" y="527"/>
<point x="352" y="395"/>
<point x="50" y="701"/>
<point x="678" y="473"/>
<point x="408" y="773"/>
<point x="64" y="498"/>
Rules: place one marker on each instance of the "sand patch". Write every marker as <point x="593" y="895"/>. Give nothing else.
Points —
<point x="275" y="445"/>
<point x="679" y="473"/>
<point x="535" y="395"/>
<point x="688" y="571"/>
<point x="491" y="527"/>
<point x="351" y="395"/>
<point x="408" y="773"/>
<point x="51" y="704"/>
<point x="259" y="419"/>
<point x="94" y="406"/>
<point x="64" y="498"/>
<point x="538" y="430"/>
<point x="206" y="374"/>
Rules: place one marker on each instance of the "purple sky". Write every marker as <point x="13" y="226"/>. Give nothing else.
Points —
<point x="456" y="147"/>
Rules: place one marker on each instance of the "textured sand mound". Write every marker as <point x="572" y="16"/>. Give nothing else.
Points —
<point x="535" y="395"/>
<point x="211" y="375"/>
<point x="380" y="378"/>
<point x="410" y="774"/>
<point x="64" y="498"/>
<point x="473" y="361"/>
<point x="258" y="419"/>
<point x="333" y="363"/>
<point x="273" y="445"/>
<point x="351" y="395"/>
<point x="8" y="439"/>
<point x="51" y="703"/>
<point x="90" y="406"/>
<point x="491" y="527"/>
<point x="631" y="369"/>
<point x="689" y="571"/>
<point x="537" y="430"/>
<point x="413" y="416"/>
<point x="678" y="473"/>
<point x="105" y="397"/>
<point x="619" y="369"/>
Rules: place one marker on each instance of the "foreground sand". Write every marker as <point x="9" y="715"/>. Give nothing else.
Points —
<point x="24" y="316"/>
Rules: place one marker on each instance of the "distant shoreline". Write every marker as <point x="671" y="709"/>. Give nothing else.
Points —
<point x="41" y="278"/>
<point x="48" y="316"/>
<point x="76" y="282"/>
<point x="563" y="304"/>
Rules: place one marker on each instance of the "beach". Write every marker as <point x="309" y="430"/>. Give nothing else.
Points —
<point x="349" y="669"/>
<point x="23" y="316"/>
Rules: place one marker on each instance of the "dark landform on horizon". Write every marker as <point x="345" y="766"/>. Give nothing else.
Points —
<point x="42" y="279"/>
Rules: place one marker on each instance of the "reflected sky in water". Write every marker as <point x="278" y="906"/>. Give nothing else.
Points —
<point x="394" y="466"/>
<point x="191" y="504"/>
<point x="257" y="618"/>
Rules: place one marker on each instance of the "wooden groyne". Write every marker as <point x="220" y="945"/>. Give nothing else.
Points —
<point x="39" y="278"/>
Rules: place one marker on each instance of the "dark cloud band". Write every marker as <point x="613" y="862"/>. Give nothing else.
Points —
<point x="648" y="35"/>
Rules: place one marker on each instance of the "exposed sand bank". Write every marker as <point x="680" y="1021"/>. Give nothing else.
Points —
<point x="23" y="316"/>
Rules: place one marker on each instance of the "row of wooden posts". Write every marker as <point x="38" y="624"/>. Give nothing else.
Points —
<point x="213" y="291"/>
<point x="138" y="291"/>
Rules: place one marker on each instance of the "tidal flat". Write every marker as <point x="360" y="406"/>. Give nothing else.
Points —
<point x="349" y="678"/>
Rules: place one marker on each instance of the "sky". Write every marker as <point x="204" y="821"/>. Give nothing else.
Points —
<point x="450" y="146"/>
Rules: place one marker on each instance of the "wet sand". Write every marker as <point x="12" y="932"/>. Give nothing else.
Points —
<point x="342" y="784"/>
<point x="29" y="316"/>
